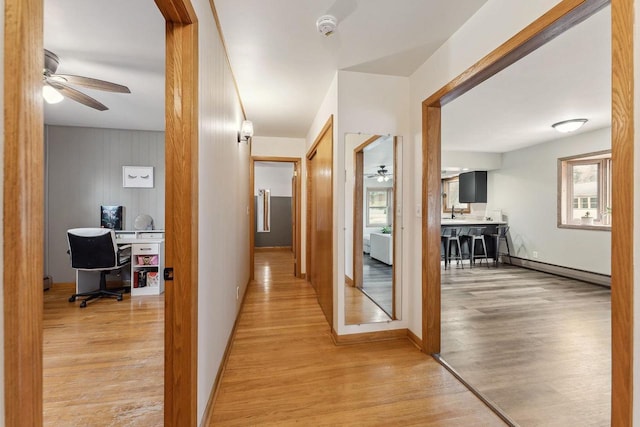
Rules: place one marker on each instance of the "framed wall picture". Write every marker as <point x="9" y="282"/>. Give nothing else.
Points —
<point x="137" y="176"/>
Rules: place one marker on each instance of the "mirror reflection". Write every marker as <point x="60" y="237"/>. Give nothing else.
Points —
<point x="373" y="228"/>
<point x="263" y="211"/>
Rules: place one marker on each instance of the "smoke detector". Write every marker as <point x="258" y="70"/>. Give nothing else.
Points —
<point x="327" y="24"/>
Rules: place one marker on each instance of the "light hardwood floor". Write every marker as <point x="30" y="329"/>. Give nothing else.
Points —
<point x="359" y="309"/>
<point x="103" y="365"/>
<point x="284" y="369"/>
<point x="537" y="345"/>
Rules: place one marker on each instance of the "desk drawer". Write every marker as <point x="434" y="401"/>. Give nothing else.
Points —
<point x="145" y="248"/>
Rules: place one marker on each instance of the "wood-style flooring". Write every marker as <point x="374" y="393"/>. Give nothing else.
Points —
<point x="284" y="369"/>
<point x="377" y="282"/>
<point x="537" y="345"/>
<point x="103" y="365"/>
<point x="359" y="309"/>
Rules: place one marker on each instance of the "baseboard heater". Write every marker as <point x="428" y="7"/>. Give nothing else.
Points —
<point x="558" y="270"/>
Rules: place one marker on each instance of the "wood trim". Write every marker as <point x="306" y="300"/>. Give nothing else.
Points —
<point x="394" y="235"/>
<point x="622" y="243"/>
<point x="348" y="281"/>
<point x="328" y="125"/>
<point x="297" y="167"/>
<point x="431" y="230"/>
<point x="208" y="412"/>
<point x="181" y="193"/>
<point x="358" y="219"/>
<point x="415" y="340"/>
<point x="366" y="143"/>
<point x="226" y="54"/>
<point x="563" y="16"/>
<point x="273" y="248"/>
<point x="365" y="337"/>
<point x="560" y="18"/>
<point x="177" y="11"/>
<point x="23" y="212"/>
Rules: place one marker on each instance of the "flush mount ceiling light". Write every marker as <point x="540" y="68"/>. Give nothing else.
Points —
<point x="569" y="125"/>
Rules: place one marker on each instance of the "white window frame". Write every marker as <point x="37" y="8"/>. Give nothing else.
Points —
<point x="602" y="220"/>
<point x="389" y="206"/>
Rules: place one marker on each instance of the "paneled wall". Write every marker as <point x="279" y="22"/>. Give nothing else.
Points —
<point x="223" y="204"/>
<point x="84" y="171"/>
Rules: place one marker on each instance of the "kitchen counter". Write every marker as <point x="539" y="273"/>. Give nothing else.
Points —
<point x="469" y="221"/>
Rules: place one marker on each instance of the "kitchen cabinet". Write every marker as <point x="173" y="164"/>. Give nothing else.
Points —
<point x="473" y="187"/>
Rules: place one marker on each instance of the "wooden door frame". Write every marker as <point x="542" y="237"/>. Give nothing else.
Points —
<point x="358" y="217"/>
<point x="23" y="187"/>
<point x="297" y="167"/>
<point x="358" y="214"/>
<point x="560" y="18"/>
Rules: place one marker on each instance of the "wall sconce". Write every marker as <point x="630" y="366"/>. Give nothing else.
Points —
<point x="569" y="125"/>
<point x="246" y="132"/>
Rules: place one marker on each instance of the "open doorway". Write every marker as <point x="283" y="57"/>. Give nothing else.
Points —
<point x="276" y="209"/>
<point x="557" y="20"/>
<point x="23" y="175"/>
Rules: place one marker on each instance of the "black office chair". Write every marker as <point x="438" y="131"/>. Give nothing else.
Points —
<point x="95" y="249"/>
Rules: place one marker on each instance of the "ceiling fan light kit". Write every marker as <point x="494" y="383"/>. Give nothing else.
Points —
<point x="57" y="86"/>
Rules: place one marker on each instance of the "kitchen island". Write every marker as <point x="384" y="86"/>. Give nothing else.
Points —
<point x="463" y="224"/>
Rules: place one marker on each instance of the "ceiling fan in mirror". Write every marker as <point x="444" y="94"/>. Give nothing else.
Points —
<point x="56" y="87"/>
<point x="382" y="174"/>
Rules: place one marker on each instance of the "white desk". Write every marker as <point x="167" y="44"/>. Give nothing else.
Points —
<point x="149" y="245"/>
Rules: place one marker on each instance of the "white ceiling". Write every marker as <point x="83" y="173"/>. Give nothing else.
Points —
<point x="284" y="66"/>
<point x="568" y="78"/>
<point x="116" y="40"/>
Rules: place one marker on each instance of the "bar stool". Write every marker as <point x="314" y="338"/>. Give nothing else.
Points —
<point x="475" y="234"/>
<point x="452" y="235"/>
<point x="501" y="234"/>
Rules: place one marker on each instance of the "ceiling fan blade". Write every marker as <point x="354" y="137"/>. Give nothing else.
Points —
<point x="69" y="92"/>
<point x="92" y="83"/>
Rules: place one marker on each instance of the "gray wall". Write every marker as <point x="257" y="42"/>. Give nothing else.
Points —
<point x="280" y="234"/>
<point x="84" y="171"/>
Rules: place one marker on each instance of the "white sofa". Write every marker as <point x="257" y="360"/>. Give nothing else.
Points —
<point x="381" y="247"/>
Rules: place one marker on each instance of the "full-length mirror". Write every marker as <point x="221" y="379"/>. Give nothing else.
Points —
<point x="373" y="228"/>
<point x="263" y="211"/>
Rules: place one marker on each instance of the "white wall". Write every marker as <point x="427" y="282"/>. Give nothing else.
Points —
<point x="276" y="178"/>
<point x="377" y="105"/>
<point x="526" y="189"/>
<point x="482" y="33"/>
<point x="223" y="240"/>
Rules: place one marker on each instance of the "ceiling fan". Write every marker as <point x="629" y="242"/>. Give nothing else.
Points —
<point x="57" y="86"/>
<point x="381" y="174"/>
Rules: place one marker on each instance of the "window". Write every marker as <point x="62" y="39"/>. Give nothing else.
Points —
<point x="450" y="192"/>
<point x="379" y="207"/>
<point x="585" y="191"/>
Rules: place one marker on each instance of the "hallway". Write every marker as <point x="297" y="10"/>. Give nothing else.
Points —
<point x="284" y="368"/>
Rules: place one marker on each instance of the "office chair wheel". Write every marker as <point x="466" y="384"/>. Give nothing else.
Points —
<point x="72" y="299"/>
<point x="119" y="298"/>
<point x="83" y="304"/>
